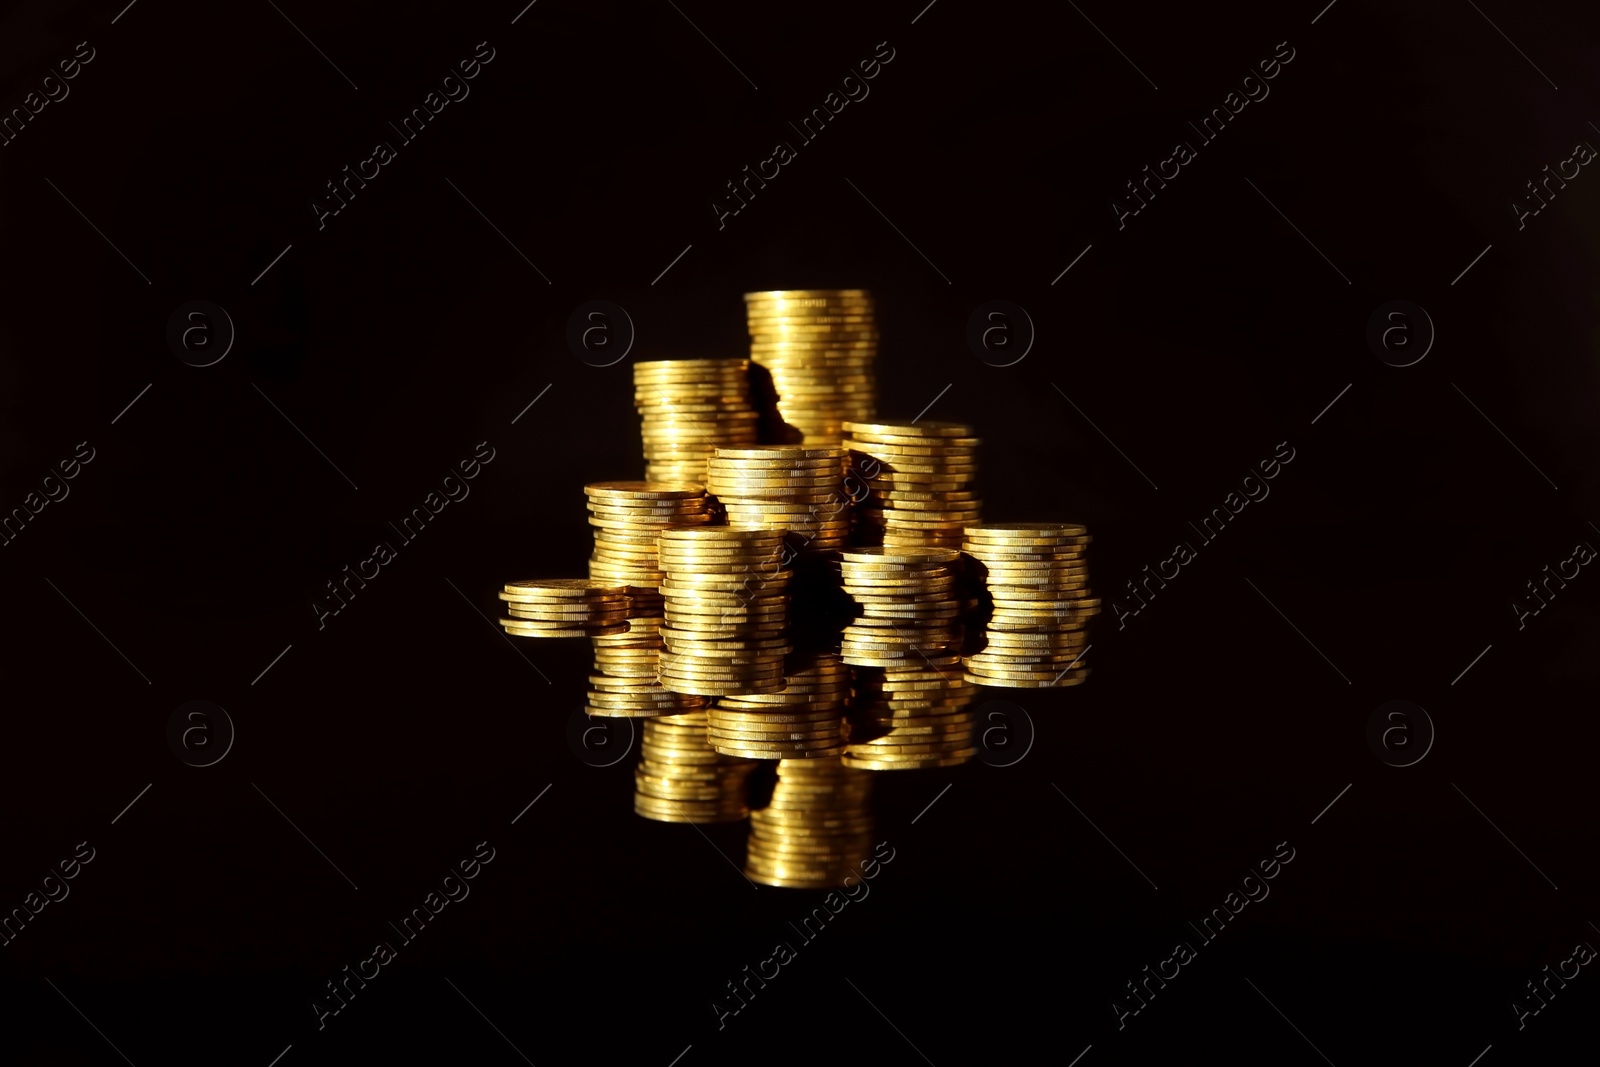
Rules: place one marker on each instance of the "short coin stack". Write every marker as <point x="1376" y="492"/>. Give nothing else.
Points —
<point x="726" y="612"/>
<point x="912" y="718"/>
<point x="627" y="518"/>
<point x="1038" y="582"/>
<point x="921" y="477"/>
<point x="907" y="600"/>
<point x="796" y="490"/>
<point x="816" y="830"/>
<point x="819" y="346"/>
<point x="804" y="721"/>
<point x="688" y="407"/>
<point x="681" y="778"/>
<point x="565" y="607"/>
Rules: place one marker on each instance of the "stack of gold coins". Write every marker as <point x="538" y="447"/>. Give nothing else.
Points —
<point x="627" y="517"/>
<point x="681" y="778"/>
<point x="819" y="346"/>
<point x="565" y="607"/>
<point x="816" y="830"/>
<point x="804" y="721"/>
<point x="912" y="718"/>
<point x="688" y="408"/>
<point x="907" y="602"/>
<point x="921" y="477"/>
<point x="726" y="614"/>
<point x="1038" y="583"/>
<point x="796" y="490"/>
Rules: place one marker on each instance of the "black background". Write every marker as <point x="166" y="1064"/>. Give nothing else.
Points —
<point x="407" y="330"/>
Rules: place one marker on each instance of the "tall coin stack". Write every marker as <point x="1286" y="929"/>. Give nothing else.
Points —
<point x="565" y="607"/>
<point x="1038" y="582"/>
<point x="688" y="407"/>
<point x="627" y="518"/>
<point x="726" y="613"/>
<point x="907" y="602"/>
<point x="921" y="477"/>
<point x="819" y="345"/>
<point x="796" y="490"/>
<point x="681" y="778"/>
<point x="815" y="831"/>
<point x="912" y="718"/>
<point x="804" y="721"/>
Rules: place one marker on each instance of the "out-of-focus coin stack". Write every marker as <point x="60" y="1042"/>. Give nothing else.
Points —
<point x="726" y="615"/>
<point x="912" y="718"/>
<point x="907" y="603"/>
<point x="816" y="830"/>
<point x="803" y="721"/>
<point x="688" y="407"/>
<point x="920" y="476"/>
<point x="565" y="607"/>
<point x="819" y="345"/>
<point x="681" y="778"/>
<point x="627" y="517"/>
<point x="796" y="490"/>
<point x="1038" y="581"/>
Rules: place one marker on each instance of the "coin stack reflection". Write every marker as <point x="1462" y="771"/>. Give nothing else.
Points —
<point x="803" y="721"/>
<point x="1038" y="583"/>
<point x="921" y="476"/>
<point x="817" y="828"/>
<point x="681" y="778"/>
<point x="726" y="615"/>
<point x="912" y="718"/>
